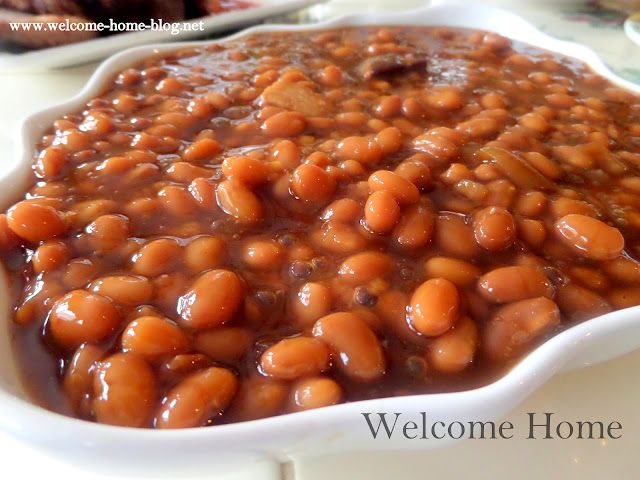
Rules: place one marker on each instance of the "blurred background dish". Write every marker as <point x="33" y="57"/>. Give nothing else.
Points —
<point x="37" y="51"/>
<point x="632" y="27"/>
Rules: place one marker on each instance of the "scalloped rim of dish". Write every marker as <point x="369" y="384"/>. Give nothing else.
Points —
<point x="29" y="421"/>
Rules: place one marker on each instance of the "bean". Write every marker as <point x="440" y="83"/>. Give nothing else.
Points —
<point x="312" y="183"/>
<point x="197" y="398"/>
<point x="124" y="389"/>
<point x="86" y="212"/>
<point x="535" y="122"/>
<point x="167" y="289"/>
<point x="516" y="169"/>
<point x="445" y="98"/>
<point x="565" y="206"/>
<point x="352" y="119"/>
<point x="479" y="128"/>
<point x="360" y="149"/>
<point x="153" y="337"/>
<point x="293" y="358"/>
<point x="590" y="237"/>
<point x="416" y="171"/>
<point x="580" y="303"/>
<point x="35" y="222"/>
<point x="117" y="165"/>
<point x="204" y="253"/>
<point x="262" y="254"/>
<point x="402" y="190"/>
<point x="589" y="277"/>
<point x="287" y="153"/>
<point x="517" y="324"/>
<point x="176" y="200"/>
<point x="217" y="100"/>
<point x="156" y="257"/>
<point x="79" y="317"/>
<point x="531" y="204"/>
<point x="441" y="143"/>
<point x="352" y="168"/>
<point x="345" y="210"/>
<point x="494" y="228"/>
<point x="454" y="351"/>
<point x="8" y="239"/>
<point x="284" y="124"/>
<point x="204" y="193"/>
<point x="392" y="308"/>
<point x="202" y="150"/>
<point x="246" y="170"/>
<point x="501" y="193"/>
<point x="413" y="109"/>
<point x="454" y="236"/>
<point x="184" y="172"/>
<point x="456" y="173"/>
<point x="78" y="381"/>
<point x="434" y="307"/>
<point x="370" y="317"/>
<point x="49" y="256"/>
<point x="390" y="140"/>
<point x="415" y="227"/>
<point x="75" y="140"/>
<point x="331" y="76"/>
<point x="580" y="156"/>
<point x="364" y="267"/>
<point x="312" y="301"/>
<point x="315" y="392"/>
<point x="509" y="284"/>
<point x="623" y="270"/>
<point x="258" y="398"/>
<point x="78" y="272"/>
<point x="178" y="366"/>
<point x="389" y="106"/>
<point x="624" y="297"/>
<point x="381" y="211"/>
<point x="212" y="300"/>
<point x="239" y="202"/>
<point x="124" y="289"/>
<point x="223" y="344"/>
<point x="458" y="272"/>
<point x="338" y="238"/>
<point x="493" y="100"/>
<point x="50" y="163"/>
<point x="170" y="86"/>
<point x="356" y="349"/>
<point x="560" y="100"/>
<point x="108" y="232"/>
<point x="544" y="165"/>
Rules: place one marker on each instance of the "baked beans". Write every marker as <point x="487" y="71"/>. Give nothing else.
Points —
<point x="251" y="228"/>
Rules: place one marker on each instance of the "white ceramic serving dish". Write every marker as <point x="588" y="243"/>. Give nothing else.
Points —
<point x="335" y="429"/>
<point x="98" y="48"/>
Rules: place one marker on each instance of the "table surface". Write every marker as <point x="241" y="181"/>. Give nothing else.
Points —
<point x="604" y="392"/>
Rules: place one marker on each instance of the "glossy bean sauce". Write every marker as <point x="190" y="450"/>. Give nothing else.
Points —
<point x="292" y="220"/>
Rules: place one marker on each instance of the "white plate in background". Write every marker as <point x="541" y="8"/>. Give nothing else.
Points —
<point x="632" y="27"/>
<point x="98" y="48"/>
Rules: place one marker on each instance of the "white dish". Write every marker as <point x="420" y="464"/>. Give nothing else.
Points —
<point x="335" y="429"/>
<point x="98" y="48"/>
<point x="632" y="28"/>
